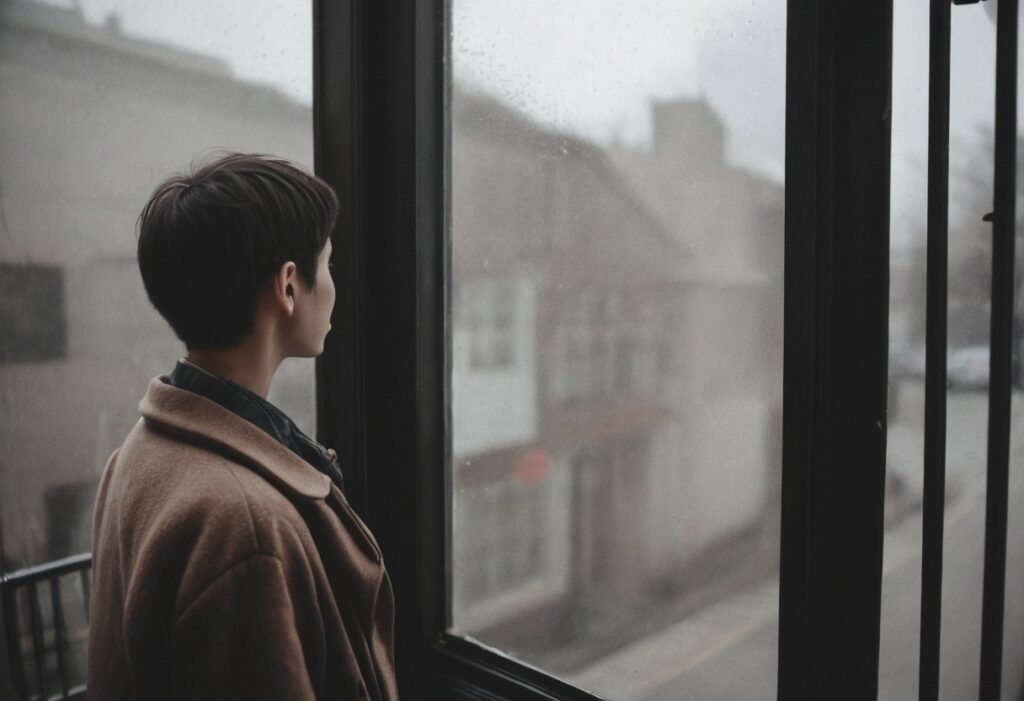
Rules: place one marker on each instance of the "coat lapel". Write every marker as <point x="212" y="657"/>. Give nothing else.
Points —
<point x="198" y="420"/>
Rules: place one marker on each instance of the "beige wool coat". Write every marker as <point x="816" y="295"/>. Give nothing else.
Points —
<point x="226" y="567"/>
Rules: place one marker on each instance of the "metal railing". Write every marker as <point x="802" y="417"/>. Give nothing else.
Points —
<point x="47" y="655"/>
<point x="1003" y="220"/>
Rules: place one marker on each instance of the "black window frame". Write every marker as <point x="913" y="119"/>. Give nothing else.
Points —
<point x="380" y="123"/>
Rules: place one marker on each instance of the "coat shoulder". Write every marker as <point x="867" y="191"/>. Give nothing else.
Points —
<point x="190" y="478"/>
<point x="190" y="510"/>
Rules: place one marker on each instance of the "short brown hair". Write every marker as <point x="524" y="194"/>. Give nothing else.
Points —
<point x="209" y="240"/>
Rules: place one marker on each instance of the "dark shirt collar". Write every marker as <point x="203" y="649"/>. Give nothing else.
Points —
<point x="257" y="410"/>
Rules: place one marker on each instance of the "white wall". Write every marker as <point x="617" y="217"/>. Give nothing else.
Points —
<point x="494" y="409"/>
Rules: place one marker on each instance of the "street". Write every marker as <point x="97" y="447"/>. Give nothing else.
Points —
<point x="729" y="651"/>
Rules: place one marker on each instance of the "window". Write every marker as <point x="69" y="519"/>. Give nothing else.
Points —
<point x="596" y="191"/>
<point x="99" y="101"/>
<point x="486" y="315"/>
<point x="557" y="373"/>
<point x="466" y="179"/>
<point x="32" y="313"/>
<point x="972" y="88"/>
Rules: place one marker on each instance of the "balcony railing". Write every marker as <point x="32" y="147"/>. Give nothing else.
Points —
<point x="46" y="620"/>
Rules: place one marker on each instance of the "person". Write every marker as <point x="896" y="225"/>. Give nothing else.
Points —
<point x="227" y="563"/>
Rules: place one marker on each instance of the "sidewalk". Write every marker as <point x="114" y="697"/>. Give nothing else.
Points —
<point x="728" y="629"/>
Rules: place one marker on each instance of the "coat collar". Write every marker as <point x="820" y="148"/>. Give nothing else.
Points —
<point x="198" y="420"/>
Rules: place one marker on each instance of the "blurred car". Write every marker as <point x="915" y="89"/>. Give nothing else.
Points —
<point x="967" y="368"/>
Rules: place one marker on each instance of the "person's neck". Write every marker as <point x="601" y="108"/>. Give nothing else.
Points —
<point x="251" y="363"/>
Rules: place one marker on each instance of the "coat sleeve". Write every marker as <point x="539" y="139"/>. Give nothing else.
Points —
<point x="238" y="639"/>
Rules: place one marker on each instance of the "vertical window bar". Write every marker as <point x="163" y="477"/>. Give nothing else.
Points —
<point x="1001" y="351"/>
<point x="12" y="628"/>
<point x="36" y="625"/>
<point x="59" y="629"/>
<point x="336" y="154"/>
<point x="84" y="576"/>
<point x="839" y="71"/>
<point x="935" y="350"/>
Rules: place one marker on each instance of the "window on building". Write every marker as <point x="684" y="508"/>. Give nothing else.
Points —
<point x="32" y="313"/>
<point x="485" y="313"/>
<point x="515" y="531"/>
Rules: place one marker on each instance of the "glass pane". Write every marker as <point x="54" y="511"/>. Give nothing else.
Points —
<point x="99" y="100"/>
<point x="970" y="257"/>
<point x="901" y="584"/>
<point x="1013" y="633"/>
<point x="616" y="340"/>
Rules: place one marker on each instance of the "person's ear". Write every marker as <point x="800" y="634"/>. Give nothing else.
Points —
<point x="284" y="285"/>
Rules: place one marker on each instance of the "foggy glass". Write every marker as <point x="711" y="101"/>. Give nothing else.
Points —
<point x="1013" y="616"/>
<point x="99" y="101"/>
<point x="969" y="280"/>
<point x="616" y="340"/>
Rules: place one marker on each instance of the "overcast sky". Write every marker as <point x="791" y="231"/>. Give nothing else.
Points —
<point x="592" y="67"/>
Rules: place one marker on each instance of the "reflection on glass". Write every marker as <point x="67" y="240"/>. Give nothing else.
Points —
<point x="970" y="184"/>
<point x="616" y="341"/>
<point x="98" y="102"/>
